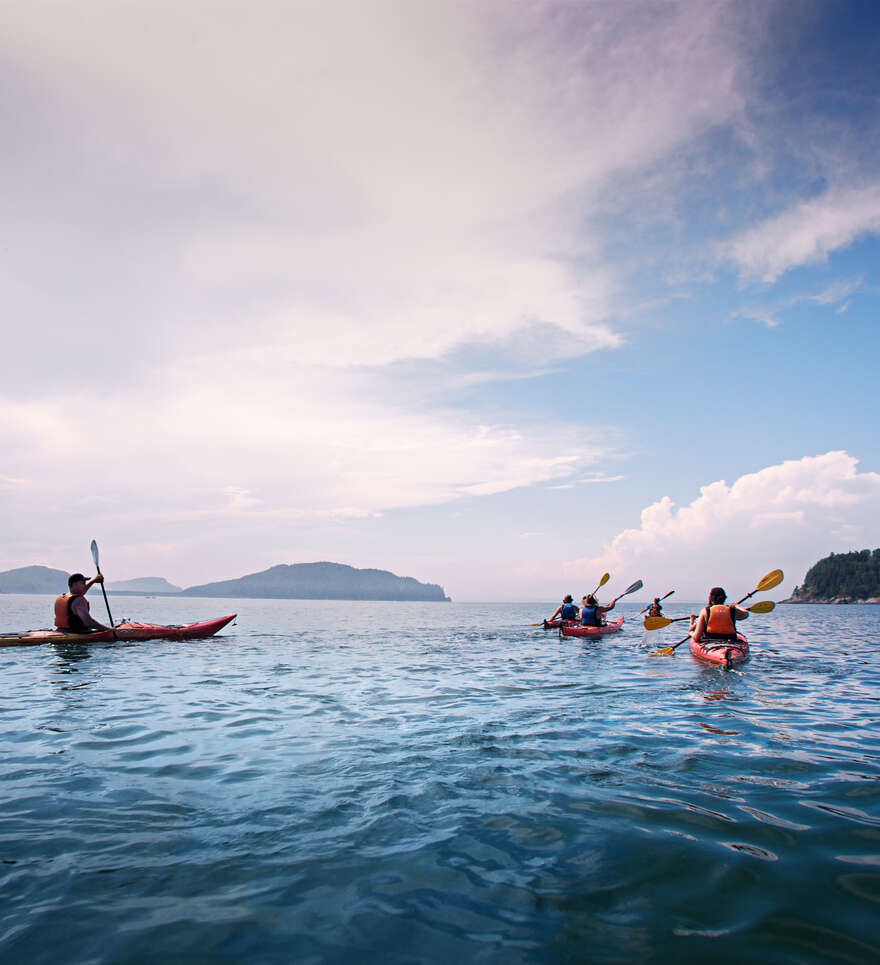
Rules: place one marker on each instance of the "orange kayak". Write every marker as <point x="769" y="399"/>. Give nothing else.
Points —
<point x="727" y="653"/>
<point x="125" y="631"/>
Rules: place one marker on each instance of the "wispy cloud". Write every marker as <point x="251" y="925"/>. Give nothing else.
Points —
<point x="808" y="232"/>
<point x="769" y="315"/>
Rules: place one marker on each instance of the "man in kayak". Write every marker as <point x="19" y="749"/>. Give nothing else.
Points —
<point x="72" y="609"/>
<point x="655" y="610"/>
<point x="566" y="610"/>
<point x="717" y="620"/>
<point x="593" y="615"/>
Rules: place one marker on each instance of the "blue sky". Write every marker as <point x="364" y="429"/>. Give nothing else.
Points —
<point x="499" y="296"/>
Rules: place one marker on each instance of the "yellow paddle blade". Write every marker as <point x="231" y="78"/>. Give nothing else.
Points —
<point x="665" y="652"/>
<point x="656" y="623"/>
<point x="773" y="578"/>
<point x="605" y="579"/>
<point x="762" y="606"/>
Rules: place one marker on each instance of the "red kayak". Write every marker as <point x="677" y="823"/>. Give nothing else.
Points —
<point x="125" y="631"/>
<point x="727" y="653"/>
<point x="556" y="624"/>
<point x="576" y="630"/>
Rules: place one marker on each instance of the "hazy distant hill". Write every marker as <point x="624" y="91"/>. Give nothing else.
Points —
<point x="322" y="581"/>
<point x="34" y="579"/>
<point x="42" y="579"/>
<point x="143" y="584"/>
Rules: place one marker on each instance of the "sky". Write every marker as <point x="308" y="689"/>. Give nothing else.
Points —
<point x="500" y="296"/>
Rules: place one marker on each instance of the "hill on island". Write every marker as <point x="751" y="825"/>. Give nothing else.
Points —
<point x="322" y="581"/>
<point x="143" y="584"/>
<point x="34" y="579"/>
<point x="841" y="578"/>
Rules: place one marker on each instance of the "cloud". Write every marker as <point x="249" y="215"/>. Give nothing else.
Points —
<point x="806" y="233"/>
<point x="356" y="184"/>
<point x="788" y="515"/>
<point x="839" y="292"/>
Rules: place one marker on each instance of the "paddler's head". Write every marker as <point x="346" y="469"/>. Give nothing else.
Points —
<point x="591" y="600"/>
<point x="567" y="598"/>
<point x="716" y="595"/>
<point x="77" y="584"/>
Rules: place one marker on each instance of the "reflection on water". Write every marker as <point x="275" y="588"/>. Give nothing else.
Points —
<point x="414" y="783"/>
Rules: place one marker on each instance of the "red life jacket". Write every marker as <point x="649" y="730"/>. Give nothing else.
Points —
<point x="719" y="621"/>
<point x="64" y="619"/>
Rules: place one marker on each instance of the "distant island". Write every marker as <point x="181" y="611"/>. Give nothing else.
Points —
<point x="322" y="581"/>
<point x="297" y="581"/>
<point x="143" y="584"/>
<point x="841" y="578"/>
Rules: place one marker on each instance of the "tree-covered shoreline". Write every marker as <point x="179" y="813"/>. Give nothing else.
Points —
<point x="842" y="578"/>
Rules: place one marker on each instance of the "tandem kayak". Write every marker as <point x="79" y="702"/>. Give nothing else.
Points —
<point x="726" y="653"/>
<point x="125" y="631"/>
<point x="576" y="630"/>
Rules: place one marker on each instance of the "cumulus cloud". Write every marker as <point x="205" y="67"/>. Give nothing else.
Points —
<point x="808" y="232"/>
<point x="787" y="515"/>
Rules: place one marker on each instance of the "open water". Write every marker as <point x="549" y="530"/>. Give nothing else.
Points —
<point x="435" y="783"/>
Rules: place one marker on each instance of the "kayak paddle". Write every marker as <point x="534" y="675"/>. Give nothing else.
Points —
<point x="633" y="588"/>
<point x="648" y="607"/>
<point x="773" y="578"/>
<point x="657" y="623"/>
<point x="106" y="601"/>
<point x="602" y="582"/>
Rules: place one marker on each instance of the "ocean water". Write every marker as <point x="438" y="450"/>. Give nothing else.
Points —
<point x="435" y="783"/>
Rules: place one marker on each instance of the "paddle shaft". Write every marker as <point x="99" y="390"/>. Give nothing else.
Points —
<point x="106" y="601"/>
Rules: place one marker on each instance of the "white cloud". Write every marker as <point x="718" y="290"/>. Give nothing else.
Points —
<point x="839" y="292"/>
<point x="786" y="516"/>
<point x="807" y="233"/>
<point x="361" y="182"/>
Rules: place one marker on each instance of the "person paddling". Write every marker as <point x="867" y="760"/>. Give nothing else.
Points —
<point x="566" y="610"/>
<point x="655" y="609"/>
<point x="72" y="609"/>
<point x="717" y="620"/>
<point x="593" y="615"/>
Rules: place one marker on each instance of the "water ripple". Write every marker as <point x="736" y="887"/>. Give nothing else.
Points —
<point x="414" y="783"/>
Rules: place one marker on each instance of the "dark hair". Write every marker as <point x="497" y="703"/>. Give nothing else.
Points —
<point x="592" y="601"/>
<point x="567" y="598"/>
<point x="716" y="595"/>
<point x="75" y="578"/>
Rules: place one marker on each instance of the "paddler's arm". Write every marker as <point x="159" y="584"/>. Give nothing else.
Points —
<point x="697" y="631"/>
<point x="98" y="578"/>
<point x="78" y="606"/>
<point x="556" y="614"/>
<point x="739" y="613"/>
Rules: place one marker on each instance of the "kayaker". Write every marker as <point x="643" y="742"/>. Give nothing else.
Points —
<point x="566" y="610"/>
<point x="717" y="620"/>
<point x="72" y="609"/>
<point x="655" y="610"/>
<point x="593" y="615"/>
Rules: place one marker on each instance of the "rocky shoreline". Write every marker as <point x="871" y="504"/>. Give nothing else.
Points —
<point x="840" y="600"/>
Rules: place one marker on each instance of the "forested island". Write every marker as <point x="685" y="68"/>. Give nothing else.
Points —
<point x="297" y="581"/>
<point x="841" y="578"/>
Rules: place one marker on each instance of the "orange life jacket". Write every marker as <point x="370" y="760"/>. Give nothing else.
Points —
<point x="719" y="621"/>
<point x="64" y="619"/>
<point x="654" y="611"/>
